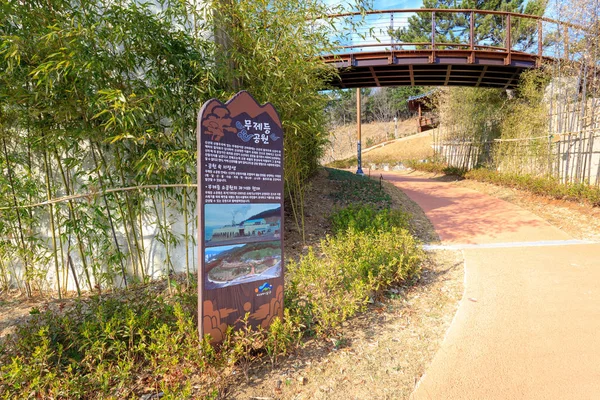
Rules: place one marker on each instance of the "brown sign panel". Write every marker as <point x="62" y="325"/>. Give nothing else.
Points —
<point x="240" y="214"/>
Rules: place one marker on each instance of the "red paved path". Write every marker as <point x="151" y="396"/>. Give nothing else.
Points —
<point x="528" y="326"/>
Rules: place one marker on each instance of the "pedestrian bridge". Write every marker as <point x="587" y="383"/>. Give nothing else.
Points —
<point x="487" y="48"/>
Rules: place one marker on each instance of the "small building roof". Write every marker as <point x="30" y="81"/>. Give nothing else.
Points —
<point x="422" y="96"/>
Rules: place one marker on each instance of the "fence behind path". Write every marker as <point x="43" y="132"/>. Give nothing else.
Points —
<point x="570" y="152"/>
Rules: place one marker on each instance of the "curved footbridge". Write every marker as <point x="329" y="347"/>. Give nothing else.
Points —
<point x="528" y="326"/>
<point x="372" y="55"/>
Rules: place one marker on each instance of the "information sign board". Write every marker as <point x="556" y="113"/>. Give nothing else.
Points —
<point x="240" y="214"/>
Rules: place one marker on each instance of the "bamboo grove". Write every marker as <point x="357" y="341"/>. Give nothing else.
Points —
<point x="98" y="101"/>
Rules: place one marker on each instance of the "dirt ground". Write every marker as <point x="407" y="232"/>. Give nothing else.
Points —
<point x="15" y="309"/>
<point x="380" y="354"/>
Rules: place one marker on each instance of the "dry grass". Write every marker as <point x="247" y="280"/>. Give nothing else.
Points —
<point x="416" y="147"/>
<point x="342" y="140"/>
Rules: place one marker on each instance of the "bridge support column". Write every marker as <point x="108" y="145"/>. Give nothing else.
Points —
<point x="359" y="171"/>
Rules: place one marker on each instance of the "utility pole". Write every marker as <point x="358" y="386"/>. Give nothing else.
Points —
<point x="359" y="171"/>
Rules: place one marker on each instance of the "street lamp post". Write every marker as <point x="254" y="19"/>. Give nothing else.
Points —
<point x="359" y="171"/>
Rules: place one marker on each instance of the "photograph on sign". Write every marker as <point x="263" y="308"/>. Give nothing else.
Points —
<point x="227" y="224"/>
<point x="241" y="263"/>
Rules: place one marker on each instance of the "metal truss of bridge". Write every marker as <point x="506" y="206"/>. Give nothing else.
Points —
<point x="372" y="59"/>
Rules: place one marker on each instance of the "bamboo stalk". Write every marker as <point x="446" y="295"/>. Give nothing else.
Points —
<point x="75" y="220"/>
<point x="162" y="229"/>
<point x="108" y="213"/>
<point x="131" y="216"/>
<point x="141" y="222"/>
<point x="5" y="279"/>
<point x="60" y="224"/>
<point x="21" y="236"/>
<point x="121" y="212"/>
<point x="65" y="267"/>
<point x="51" y="211"/>
<point x="70" y="263"/>
<point x="13" y="272"/>
<point x="170" y="265"/>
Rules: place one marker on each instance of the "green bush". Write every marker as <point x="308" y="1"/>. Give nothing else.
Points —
<point x="101" y="346"/>
<point x="130" y="342"/>
<point x="370" y="251"/>
<point x="363" y="218"/>
<point x="350" y="162"/>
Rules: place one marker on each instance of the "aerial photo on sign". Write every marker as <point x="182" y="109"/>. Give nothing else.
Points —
<point x="241" y="223"/>
<point x="241" y="263"/>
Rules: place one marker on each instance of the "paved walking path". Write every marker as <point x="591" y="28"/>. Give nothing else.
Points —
<point x="528" y="326"/>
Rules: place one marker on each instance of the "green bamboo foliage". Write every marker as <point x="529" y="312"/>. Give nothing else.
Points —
<point x="269" y="49"/>
<point x="101" y="94"/>
<point x="92" y="88"/>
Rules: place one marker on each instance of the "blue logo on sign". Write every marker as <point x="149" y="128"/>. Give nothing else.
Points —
<point x="243" y="133"/>
<point x="265" y="287"/>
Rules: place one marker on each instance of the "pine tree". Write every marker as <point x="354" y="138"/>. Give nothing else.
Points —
<point x="490" y="29"/>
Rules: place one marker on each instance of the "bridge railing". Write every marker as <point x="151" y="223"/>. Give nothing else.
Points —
<point x="454" y="30"/>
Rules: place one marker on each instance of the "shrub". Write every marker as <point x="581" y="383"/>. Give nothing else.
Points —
<point x="101" y="345"/>
<point x="370" y="251"/>
<point x="345" y="163"/>
<point x="127" y="343"/>
<point x="363" y="218"/>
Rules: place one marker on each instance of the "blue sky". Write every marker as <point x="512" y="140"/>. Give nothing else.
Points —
<point x="222" y="214"/>
<point x="374" y="31"/>
<point x="220" y="249"/>
<point x="391" y="4"/>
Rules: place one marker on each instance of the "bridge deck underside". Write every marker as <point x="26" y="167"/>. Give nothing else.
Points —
<point x="427" y="68"/>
